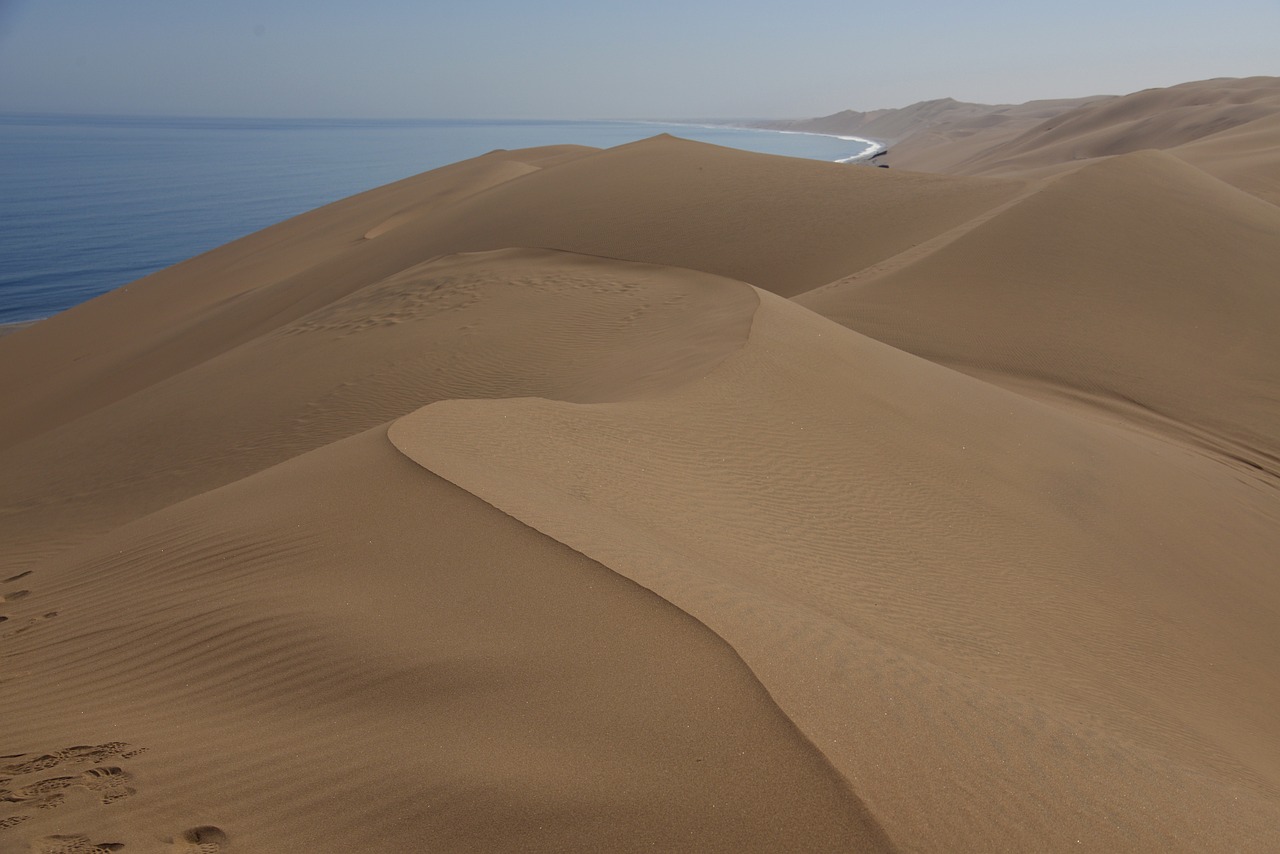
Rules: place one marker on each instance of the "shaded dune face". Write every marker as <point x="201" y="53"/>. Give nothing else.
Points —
<point x="516" y="506"/>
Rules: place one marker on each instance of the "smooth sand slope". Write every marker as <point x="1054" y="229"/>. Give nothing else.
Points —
<point x="516" y="507"/>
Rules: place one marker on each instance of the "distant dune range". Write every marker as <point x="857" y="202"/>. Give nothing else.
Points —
<point x="669" y="497"/>
<point x="1227" y="127"/>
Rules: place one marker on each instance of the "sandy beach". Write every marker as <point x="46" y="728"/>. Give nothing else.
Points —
<point x="670" y="497"/>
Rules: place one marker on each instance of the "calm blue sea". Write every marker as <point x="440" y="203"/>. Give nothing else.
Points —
<point x="90" y="203"/>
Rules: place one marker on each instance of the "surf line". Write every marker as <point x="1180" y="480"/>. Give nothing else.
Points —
<point x="873" y="147"/>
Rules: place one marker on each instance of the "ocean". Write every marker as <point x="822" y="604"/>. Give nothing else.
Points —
<point x="89" y="203"/>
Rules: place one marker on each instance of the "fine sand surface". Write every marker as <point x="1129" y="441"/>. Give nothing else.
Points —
<point x="673" y="498"/>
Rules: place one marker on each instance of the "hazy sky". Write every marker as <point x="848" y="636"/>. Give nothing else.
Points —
<point x="603" y="59"/>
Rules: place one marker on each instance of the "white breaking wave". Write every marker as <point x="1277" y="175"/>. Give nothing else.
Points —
<point x="873" y="147"/>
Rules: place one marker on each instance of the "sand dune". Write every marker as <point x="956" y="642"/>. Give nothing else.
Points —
<point x="942" y="118"/>
<point x="1228" y="127"/>
<point x="778" y="223"/>
<point x="1247" y="157"/>
<point x="518" y="507"/>
<point x="1137" y="282"/>
<point x="1154" y="118"/>
<point x="424" y="334"/>
<point x="877" y="593"/>
<point x="271" y="612"/>
<point x="342" y="654"/>
<point x="101" y="352"/>
<point x="787" y="225"/>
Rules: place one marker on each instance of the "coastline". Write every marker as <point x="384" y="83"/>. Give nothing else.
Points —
<point x="149" y="213"/>
<point x="874" y="148"/>
<point x="17" y="326"/>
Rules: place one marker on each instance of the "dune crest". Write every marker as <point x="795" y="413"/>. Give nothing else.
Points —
<point x="588" y="328"/>
<point x="885" y="604"/>
<point x="500" y="172"/>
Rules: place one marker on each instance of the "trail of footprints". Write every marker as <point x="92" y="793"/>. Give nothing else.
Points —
<point x="72" y="844"/>
<point x="26" y="781"/>
<point x="198" y="840"/>
<point x="8" y="626"/>
<point x="41" y="781"/>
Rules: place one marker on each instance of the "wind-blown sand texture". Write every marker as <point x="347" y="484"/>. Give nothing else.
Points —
<point x="669" y="498"/>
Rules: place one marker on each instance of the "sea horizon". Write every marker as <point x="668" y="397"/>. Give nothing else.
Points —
<point x="91" y="202"/>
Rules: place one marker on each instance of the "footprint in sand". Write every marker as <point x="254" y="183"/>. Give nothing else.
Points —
<point x="26" y="785"/>
<point x="109" y="783"/>
<point x="205" y="839"/>
<point x="31" y="622"/>
<point x="71" y="844"/>
<point x="31" y="763"/>
<point x="17" y="596"/>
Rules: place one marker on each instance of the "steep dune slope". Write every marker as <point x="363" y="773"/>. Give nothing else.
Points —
<point x="1138" y="281"/>
<point x="949" y="588"/>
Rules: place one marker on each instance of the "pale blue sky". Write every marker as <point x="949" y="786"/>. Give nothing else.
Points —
<point x="601" y="59"/>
